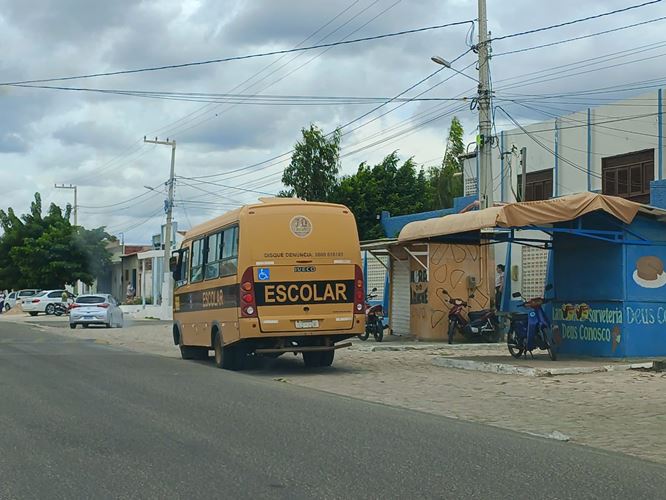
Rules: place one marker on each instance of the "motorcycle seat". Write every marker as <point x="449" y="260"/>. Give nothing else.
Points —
<point x="474" y="315"/>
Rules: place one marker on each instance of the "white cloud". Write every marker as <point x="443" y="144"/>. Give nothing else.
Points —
<point x="94" y="140"/>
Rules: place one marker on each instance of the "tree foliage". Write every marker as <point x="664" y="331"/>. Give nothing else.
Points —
<point x="447" y="180"/>
<point x="399" y="189"/>
<point x="315" y="163"/>
<point x="46" y="251"/>
<point x="387" y="186"/>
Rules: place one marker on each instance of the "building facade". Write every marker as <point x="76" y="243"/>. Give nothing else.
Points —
<point x="615" y="149"/>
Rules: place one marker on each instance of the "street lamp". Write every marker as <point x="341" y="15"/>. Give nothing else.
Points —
<point x="443" y="62"/>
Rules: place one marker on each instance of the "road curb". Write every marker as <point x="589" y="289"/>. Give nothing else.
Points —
<point x="528" y="371"/>
<point x="425" y="347"/>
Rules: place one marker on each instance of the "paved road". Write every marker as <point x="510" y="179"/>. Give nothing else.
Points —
<point x="81" y="420"/>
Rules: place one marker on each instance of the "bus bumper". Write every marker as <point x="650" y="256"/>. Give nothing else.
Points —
<point x="278" y="350"/>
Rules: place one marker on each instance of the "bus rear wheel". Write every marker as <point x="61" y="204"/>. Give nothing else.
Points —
<point x="230" y="357"/>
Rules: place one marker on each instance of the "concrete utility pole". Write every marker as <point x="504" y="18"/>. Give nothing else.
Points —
<point x="484" y="102"/>
<point x="166" y="285"/>
<point x="76" y="206"/>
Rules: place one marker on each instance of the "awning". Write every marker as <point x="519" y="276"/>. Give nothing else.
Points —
<point x="524" y="214"/>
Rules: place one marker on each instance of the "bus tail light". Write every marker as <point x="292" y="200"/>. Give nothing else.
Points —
<point x="248" y="304"/>
<point x="359" y="294"/>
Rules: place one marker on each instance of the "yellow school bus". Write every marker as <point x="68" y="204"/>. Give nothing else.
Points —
<point x="282" y="275"/>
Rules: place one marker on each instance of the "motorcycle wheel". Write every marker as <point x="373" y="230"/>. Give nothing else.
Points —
<point x="512" y="344"/>
<point x="364" y="336"/>
<point x="548" y="342"/>
<point x="378" y="332"/>
<point x="452" y="331"/>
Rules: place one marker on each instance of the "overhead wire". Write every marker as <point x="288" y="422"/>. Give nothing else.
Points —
<point x="309" y="60"/>
<point x="575" y="21"/>
<point x="532" y="136"/>
<point x="242" y="57"/>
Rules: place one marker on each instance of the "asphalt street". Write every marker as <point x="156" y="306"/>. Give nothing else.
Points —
<point x="83" y="420"/>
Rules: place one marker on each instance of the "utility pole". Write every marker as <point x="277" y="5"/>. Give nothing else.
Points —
<point x="484" y="103"/>
<point x="166" y="285"/>
<point x="76" y="206"/>
<point x="523" y="173"/>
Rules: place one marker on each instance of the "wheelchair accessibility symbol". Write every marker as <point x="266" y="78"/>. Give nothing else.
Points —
<point x="264" y="274"/>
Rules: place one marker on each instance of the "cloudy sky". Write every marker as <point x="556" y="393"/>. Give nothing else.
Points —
<point x="95" y="140"/>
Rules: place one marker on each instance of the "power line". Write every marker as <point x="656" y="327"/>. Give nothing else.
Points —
<point x="551" y="151"/>
<point x="582" y="37"/>
<point x="129" y="200"/>
<point x="261" y="99"/>
<point x="288" y="153"/>
<point x="574" y="21"/>
<point x="312" y="58"/>
<point x="243" y="57"/>
<point x="191" y="117"/>
<point x="599" y="124"/>
<point x="226" y="186"/>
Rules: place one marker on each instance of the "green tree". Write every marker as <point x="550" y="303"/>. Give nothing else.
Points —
<point x="447" y="181"/>
<point x="47" y="251"/>
<point x="399" y="189"/>
<point x="315" y="163"/>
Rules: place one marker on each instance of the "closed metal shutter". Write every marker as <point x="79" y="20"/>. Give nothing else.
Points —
<point x="400" y="308"/>
<point x="376" y="275"/>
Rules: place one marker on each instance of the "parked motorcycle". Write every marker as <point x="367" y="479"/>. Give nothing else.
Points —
<point x="478" y="325"/>
<point x="374" y="316"/>
<point x="531" y="330"/>
<point x="59" y="308"/>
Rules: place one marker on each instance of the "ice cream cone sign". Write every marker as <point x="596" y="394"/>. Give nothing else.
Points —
<point x="583" y="312"/>
<point x="616" y="336"/>
<point x="568" y="311"/>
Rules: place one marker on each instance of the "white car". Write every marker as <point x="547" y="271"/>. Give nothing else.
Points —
<point x="96" y="309"/>
<point x="44" y="302"/>
<point x="17" y="297"/>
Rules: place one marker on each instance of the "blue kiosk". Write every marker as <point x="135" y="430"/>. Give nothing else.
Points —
<point x="607" y="266"/>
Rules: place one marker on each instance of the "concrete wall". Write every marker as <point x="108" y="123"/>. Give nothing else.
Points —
<point x="616" y="128"/>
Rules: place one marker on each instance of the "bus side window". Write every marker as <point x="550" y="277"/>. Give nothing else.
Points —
<point x="229" y="260"/>
<point x="213" y="257"/>
<point x="184" y="267"/>
<point x="197" y="272"/>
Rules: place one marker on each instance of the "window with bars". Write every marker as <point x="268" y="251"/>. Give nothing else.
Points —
<point x="538" y="185"/>
<point x="629" y="175"/>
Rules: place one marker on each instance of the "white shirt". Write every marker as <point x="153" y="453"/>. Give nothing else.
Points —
<point x="499" y="279"/>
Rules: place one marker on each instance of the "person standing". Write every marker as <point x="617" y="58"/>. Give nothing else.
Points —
<point x="499" y="285"/>
<point x="2" y="301"/>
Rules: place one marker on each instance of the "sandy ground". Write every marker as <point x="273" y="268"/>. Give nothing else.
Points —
<point x="621" y="411"/>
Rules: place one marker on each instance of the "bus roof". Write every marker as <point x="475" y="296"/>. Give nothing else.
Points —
<point x="235" y="215"/>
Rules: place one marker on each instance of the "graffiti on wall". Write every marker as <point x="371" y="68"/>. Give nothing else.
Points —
<point x="450" y="265"/>
<point x="418" y="287"/>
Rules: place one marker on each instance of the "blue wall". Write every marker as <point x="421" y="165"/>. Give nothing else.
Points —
<point x="602" y="308"/>
<point x="585" y="269"/>
<point x="393" y="224"/>
<point x="658" y="194"/>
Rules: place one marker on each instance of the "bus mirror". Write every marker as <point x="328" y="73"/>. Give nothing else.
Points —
<point x="516" y="294"/>
<point x="174" y="266"/>
<point x="374" y="289"/>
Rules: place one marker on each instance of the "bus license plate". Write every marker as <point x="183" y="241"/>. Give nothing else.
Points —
<point x="313" y="323"/>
